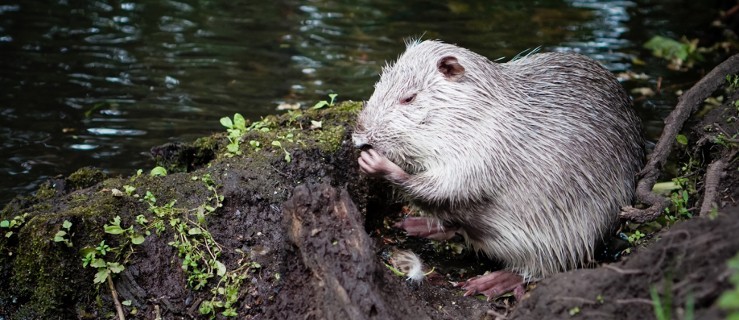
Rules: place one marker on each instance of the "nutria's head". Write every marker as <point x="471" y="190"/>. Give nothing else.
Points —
<point x="419" y="109"/>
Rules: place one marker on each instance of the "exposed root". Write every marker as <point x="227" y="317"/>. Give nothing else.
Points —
<point x="687" y="104"/>
<point x="712" y="180"/>
<point x="114" y="295"/>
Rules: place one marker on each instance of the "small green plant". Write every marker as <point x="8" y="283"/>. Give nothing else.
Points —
<point x="95" y="258"/>
<point x="255" y="144"/>
<point x="61" y="235"/>
<point x="236" y="128"/>
<point x="226" y="292"/>
<point x="574" y="311"/>
<point x="729" y="300"/>
<point x="636" y="237"/>
<point x="129" y="190"/>
<point x="13" y="224"/>
<point x="679" y="201"/>
<point x="324" y="103"/>
<point x="662" y="309"/>
<point x="278" y="144"/>
<point x="681" y="54"/>
<point x="733" y="81"/>
<point x="682" y="139"/>
<point x="115" y="228"/>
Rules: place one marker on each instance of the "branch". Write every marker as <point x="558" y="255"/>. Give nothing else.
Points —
<point x="117" y="303"/>
<point x="687" y="104"/>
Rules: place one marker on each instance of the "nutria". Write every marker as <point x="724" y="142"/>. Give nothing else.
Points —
<point x="529" y="160"/>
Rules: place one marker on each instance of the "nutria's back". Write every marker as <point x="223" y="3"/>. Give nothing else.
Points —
<point x="532" y="158"/>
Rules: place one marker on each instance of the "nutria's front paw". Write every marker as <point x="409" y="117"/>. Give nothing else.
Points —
<point x="373" y="163"/>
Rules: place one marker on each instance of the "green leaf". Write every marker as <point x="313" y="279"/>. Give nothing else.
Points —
<point x="239" y="121"/>
<point x="205" y="307"/>
<point x="664" y="47"/>
<point x="158" y="171"/>
<point x="332" y="96"/>
<point x="137" y="239"/>
<point x="729" y="300"/>
<point x="230" y="312"/>
<point x="101" y="275"/>
<point x="115" y="267"/>
<point x="8" y="234"/>
<point x="66" y="224"/>
<point x="221" y="268"/>
<point x="277" y="144"/>
<point x="59" y="236"/>
<point x="113" y="229"/>
<point x="682" y="139"/>
<point x="126" y="303"/>
<point x="232" y="148"/>
<point x="320" y="104"/>
<point x="4" y="224"/>
<point x="98" y="263"/>
<point x="194" y="231"/>
<point x="226" y="122"/>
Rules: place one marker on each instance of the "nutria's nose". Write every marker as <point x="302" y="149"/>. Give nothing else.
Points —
<point x="360" y="140"/>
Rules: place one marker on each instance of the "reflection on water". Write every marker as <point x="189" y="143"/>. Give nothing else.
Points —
<point x="99" y="82"/>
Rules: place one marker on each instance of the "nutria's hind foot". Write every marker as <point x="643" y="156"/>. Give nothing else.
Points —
<point x="426" y="227"/>
<point x="494" y="285"/>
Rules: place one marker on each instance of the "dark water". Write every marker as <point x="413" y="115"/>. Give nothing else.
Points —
<point x="86" y="82"/>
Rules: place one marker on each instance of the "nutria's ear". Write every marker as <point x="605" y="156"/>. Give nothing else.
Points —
<point x="450" y="68"/>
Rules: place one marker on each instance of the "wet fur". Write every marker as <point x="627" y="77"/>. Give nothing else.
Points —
<point x="532" y="159"/>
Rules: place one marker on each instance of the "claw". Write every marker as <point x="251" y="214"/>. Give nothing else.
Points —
<point x="426" y="227"/>
<point x="494" y="285"/>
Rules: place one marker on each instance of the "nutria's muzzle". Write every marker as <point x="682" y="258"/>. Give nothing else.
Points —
<point x="360" y="140"/>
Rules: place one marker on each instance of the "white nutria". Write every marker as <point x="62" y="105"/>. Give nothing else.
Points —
<point x="530" y="160"/>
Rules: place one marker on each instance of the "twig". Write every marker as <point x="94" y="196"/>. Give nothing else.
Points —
<point x="686" y="105"/>
<point x="114" y="294"/>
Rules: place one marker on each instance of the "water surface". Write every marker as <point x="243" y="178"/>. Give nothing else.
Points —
<point x="86" y="82"/>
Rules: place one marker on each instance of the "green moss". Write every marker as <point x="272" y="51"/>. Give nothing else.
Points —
<point x="329" y="139"/>
<point x="85" y="178"/>
<point x="44" y="274"/>
<point x="45" y="191"/>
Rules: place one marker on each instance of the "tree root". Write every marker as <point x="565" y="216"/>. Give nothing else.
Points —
<point x="114" y="294"/>
<point x="687" y="104"/>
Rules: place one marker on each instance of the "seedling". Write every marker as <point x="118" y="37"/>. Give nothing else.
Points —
<point x="61" y="235"/>
<point x="324" y="103"/>
<point x="13" y="224"/>
<point x="236" y="128"/>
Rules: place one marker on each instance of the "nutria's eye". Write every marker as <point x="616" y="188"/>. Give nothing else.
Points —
<point x="408" y="99"/>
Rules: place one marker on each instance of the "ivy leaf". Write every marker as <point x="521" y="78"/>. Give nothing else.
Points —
<point x="66" y="224"/>
<point x="101" y="275"/>
<point x="98" y="263"/>
<point x="115" y="267"/>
